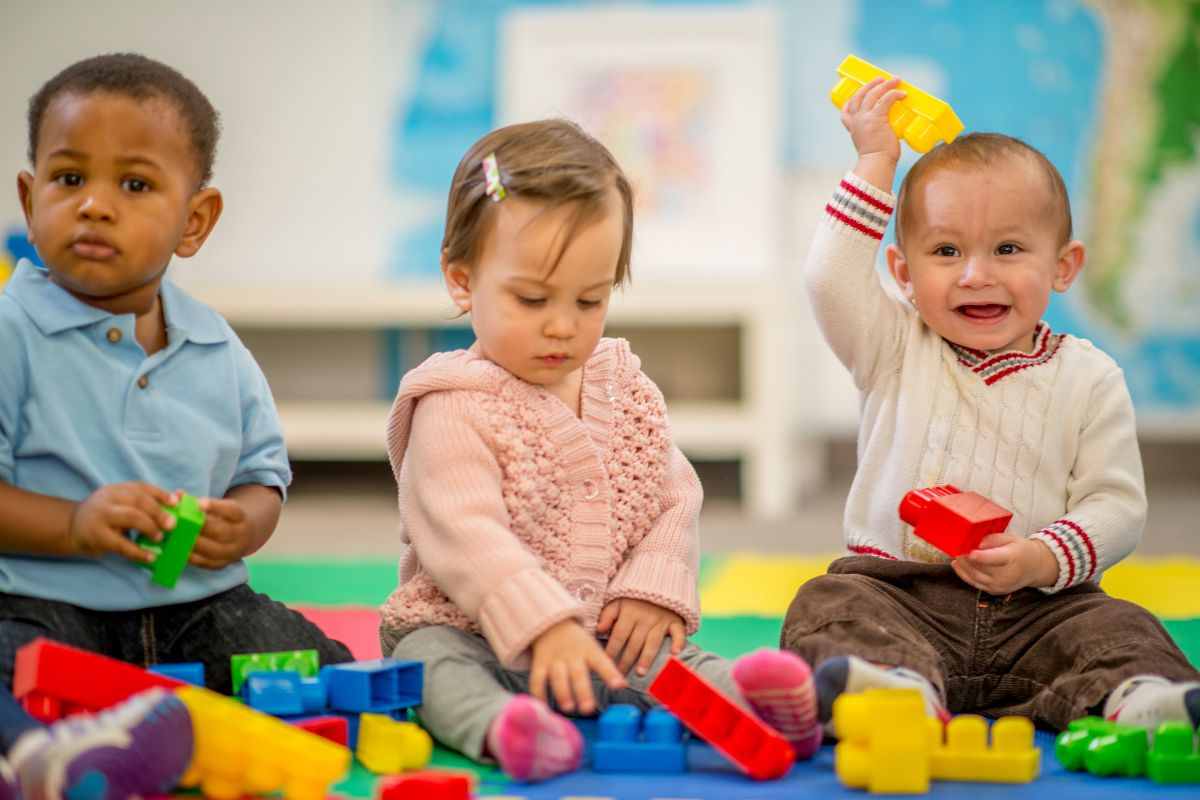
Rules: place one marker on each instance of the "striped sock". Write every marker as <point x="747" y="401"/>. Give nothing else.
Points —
<point x="533" y="743"/>
<point x="853" y="674"/>
<point x="778" y="686"/>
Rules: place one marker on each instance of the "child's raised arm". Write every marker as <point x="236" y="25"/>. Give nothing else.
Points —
<point x="863" y="325"/>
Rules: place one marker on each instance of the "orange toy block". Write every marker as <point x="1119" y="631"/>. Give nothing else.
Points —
<point x="241" y="751"/>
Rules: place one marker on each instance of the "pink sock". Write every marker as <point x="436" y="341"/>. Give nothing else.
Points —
<point x="533" y="743"/>
<point x="778" y="685"/>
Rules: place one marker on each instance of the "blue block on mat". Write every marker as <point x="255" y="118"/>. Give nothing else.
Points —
<point x="380" y="686"/>
<point x="284" y="692"/>
<point x="190" y="672"/>
<point x="630" y="741"/>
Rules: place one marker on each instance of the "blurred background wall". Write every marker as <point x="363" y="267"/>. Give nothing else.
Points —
<point x="343" y="123"/>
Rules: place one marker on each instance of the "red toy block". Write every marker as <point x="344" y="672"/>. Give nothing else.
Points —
<point x="738" y="735"/>
<point x="335" y="729"/>
<point x="73" y="677"/>
<point x="430" y="785"/>
<point x="952" y="520"/>
<point x="42" y="708"/>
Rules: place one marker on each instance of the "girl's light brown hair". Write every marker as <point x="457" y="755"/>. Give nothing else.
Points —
<point x="553" y="162"/>
<point x="981" y="150"/>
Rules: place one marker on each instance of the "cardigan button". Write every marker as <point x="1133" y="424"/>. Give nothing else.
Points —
<point x="590" y="490"/>
<point x="585" y="593"/>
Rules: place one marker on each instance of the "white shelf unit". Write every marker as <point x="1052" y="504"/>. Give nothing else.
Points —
<point x="754" y="429"/>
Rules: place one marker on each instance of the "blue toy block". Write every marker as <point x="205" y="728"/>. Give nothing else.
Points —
<point x="283" y="693"/>
<point x="630" y="741"/>
<point x="380" y="686"/>
<point x="190" y="672"/>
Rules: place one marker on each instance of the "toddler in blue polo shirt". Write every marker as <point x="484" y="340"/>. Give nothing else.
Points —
<point x="117" y="391"/>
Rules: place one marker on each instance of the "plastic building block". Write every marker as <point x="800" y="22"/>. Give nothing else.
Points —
<point x="965" y="755"/>
<point x="335" y="729"/>
<point x="630" y="741"/>
<point x="242" y="751"/>
<point x="378" y="686"/>
<point x="1103" y="748"/>
<point x="283" y="692"/>
<point x="77" y="680"/>
<point x="919" y="119"/>
<point x="1173" y="757"/>
<point x="430" y="785"/>
<point x="755" y="747"/>
<point x="386" y="746"/>
<point x="191" y="672"/>
<point x="172" y="553"/>
<point x="952" y="520"/>
<point x="886" y="741"/>
<point x="305" y="662"/>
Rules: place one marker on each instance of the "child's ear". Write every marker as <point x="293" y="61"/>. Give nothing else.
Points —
<point x="898" y="266"/>
<point x="25" y="195"/>
<point x="204" y="209"/>
<point x="457" y="275"/>
<point x="1070" y="262"/>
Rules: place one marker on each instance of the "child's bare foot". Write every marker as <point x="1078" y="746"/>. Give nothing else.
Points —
<point x="533" y="743"/>
<point x="778" y="685"/>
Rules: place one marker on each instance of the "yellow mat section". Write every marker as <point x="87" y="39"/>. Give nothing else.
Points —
<point x="758" y="585"/>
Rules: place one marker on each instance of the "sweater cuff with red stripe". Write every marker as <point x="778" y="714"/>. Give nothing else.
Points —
<point x="1073" y="550"/>
<point x="860" y="206"/>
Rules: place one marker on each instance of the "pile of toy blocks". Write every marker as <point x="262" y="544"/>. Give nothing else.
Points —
<point x="888" y="744"/>
<point x="1109" y="748"/>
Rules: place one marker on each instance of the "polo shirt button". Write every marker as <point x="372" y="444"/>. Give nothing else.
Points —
<point x="114" y="335"/>
<point x="143" y="382"/>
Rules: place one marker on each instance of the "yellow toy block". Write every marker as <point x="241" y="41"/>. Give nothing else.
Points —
<point x="886" y="741"/>
<point x="919" y="119"/>
<point x="965" y="755"/>
<point x="386" y="746"/>
<point x="240" y="751"/>
<point x="6" y="271"/>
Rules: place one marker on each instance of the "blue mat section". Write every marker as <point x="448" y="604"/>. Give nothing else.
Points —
<point x="712" y="778"/>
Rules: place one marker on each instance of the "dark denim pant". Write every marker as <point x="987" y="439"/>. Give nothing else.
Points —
<point x="210" y="631"/>
<point x="1053" y="658"/>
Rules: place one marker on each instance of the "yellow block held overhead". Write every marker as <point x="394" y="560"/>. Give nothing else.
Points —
<point x="920" y="119"/>
<point x="240" y="751"/>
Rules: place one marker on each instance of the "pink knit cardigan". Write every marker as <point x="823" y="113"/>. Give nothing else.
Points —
<point x="520" y="514"/>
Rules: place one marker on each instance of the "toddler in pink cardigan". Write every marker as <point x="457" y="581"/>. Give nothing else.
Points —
<point x="551" y="521"/>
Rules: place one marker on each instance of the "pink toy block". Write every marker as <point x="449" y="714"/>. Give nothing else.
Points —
<point x="430" y="785"/>
<point x="754" y="746"/>
<point x="335" y="729"/>
<point x="952" y="520"/>
<point x="76" y="679"/>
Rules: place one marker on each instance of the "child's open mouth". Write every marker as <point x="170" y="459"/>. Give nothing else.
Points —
<point x="984" y="312"/>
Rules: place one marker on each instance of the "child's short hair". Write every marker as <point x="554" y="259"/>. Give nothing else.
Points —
<point x="140" y="78"/>
<point x="551" y="161"/>
<point x="980" y="150"/>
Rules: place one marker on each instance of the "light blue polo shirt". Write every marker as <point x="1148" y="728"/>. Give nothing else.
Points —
<point x="82" y="406"/>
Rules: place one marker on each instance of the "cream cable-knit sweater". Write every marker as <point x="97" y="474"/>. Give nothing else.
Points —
<point x="520" y="514"/>
<point x="1049" y="435"/>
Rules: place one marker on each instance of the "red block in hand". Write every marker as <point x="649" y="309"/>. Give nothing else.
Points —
<point x="952" y="520"/>
<point x="737" y="734"/>
<point x="76" y="679"/>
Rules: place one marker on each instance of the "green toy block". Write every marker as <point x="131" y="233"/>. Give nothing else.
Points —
<point x="172" y="553"/>
<point x="1071" y="745"/>
<point x="1122" y="752"/>
<point x="1173" y="757"/>
<point x="305" y="662"/>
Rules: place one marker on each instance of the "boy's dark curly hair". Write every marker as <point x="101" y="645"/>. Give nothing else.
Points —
<point x="140" y="78"/>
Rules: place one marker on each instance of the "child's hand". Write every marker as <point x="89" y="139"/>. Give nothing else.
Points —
<point x="226" y="536"/>
<point x="637" y="627"/>
<point x="98" y="524"/>
<point x="1005" y="562"/>
<point x="865" y="116"/>
<point x="565" y="656"/>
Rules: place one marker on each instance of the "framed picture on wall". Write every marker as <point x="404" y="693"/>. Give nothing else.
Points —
<point x="687" y="98"/>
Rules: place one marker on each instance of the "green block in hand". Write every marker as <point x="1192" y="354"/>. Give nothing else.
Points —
<point x="172" y="553"/>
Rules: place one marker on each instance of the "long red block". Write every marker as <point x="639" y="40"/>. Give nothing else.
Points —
<point x="952" y="520"/>
<point x="46" y="669"/>
<point x="760" y="751"/>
